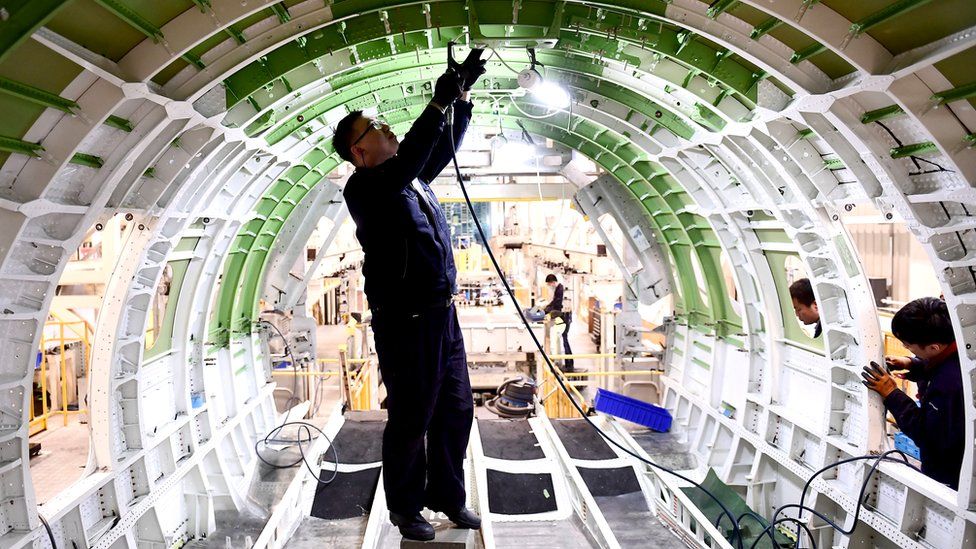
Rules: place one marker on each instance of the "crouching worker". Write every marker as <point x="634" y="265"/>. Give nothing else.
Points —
<point x="937" y="423"/>
<point x="410" y="283"/>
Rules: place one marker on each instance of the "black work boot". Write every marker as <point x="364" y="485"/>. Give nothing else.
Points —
<point x="465" y="518"/>
<point x="413" y="527"/>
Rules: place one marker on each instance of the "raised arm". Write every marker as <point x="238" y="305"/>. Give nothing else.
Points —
<point x="415" y="149"/>
<point x="441" y="156"/>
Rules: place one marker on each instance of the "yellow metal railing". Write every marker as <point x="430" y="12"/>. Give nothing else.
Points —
<point x="83" y="333"/>
<point x="358" y="386"/>
<point x="556" y="403"/>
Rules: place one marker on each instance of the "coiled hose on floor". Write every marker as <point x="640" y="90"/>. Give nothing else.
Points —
<point x="514" y="398"/>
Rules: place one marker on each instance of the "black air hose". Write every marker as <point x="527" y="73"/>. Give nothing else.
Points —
<point x="514" y="398"/>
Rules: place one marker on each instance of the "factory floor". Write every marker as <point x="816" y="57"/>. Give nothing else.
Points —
<point x="63" y="456"/>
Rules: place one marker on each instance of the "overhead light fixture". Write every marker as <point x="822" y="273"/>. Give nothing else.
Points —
<point x="551" y="94"/>
<point x="529" y="78"/>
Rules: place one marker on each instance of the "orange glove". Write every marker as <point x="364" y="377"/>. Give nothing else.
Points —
<point x="878" y="380"/>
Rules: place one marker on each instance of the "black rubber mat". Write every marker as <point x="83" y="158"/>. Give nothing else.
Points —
<point x="349" y="495"/>
<point x="581" y="440"/>
<point x="520" y="493"/>
<point x="509" y="439"/>
<point x="610" y="482"/>
<point x="359" y="442"/>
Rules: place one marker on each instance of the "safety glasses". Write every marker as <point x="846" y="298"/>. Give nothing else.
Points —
<point x="374" y="124"/>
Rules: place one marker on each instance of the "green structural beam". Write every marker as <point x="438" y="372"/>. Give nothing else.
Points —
<point x="883" y="113"/>
<point x="686" y="236"/>
<point x="410" y="81"/>
<point x="237" y="35"/>
<point x="807" y="52"/>
<point x="243" y="269"/>
<point x="134" y="20"/>
<point x="119" y="123"/>
<point x="19" y="146"/>
<point x="281" y="11"/>
<point x="89" y="160"/>
<point x="164" y="339"/>
<point x="765" y="27"/>
<point x="955" y="94"/>
<point x="718" y="7"/>
<point x="638" y="45"/>
<point x="915" y="149"/>
<point x="193" y="60"/>
<point x="887" y="13"/>
<point x="405" y="75"/>
<point x="23" y="18"/>
<point x="834" y="164"/>
<point x="36" y="95"/>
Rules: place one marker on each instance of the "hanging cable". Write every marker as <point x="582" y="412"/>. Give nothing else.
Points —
<point x="294" y="366"/>
<point x="533" y="116"/>
<point x="516" y="105"/>
<point x="736" y="528"/>
<point x="495" y="54"/>
<point x="885" y="456"/>
<point x="50" y="533"/>
<point x="736" y="532"/>
<point x="303" y="427"/>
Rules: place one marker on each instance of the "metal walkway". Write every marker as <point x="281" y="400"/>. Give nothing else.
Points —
<point x="340" y="510"/>
<point x="524" y="493"/>
<point x="615" y="481"/>
<point x="537" y="483"/>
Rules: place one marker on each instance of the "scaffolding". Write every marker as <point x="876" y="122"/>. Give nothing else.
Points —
<point x="65" y="333"/>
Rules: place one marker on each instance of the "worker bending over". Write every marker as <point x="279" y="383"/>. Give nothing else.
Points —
<point x="555" y="310"/>
<point x="410" y="283"/>
<point x="805" y="304"/>
<point x="937" y="423"/>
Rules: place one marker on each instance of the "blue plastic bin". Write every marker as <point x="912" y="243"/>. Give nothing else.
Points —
<point x="534" y="314"/>
<point x="907" y="445"/>
<point x="640" y="412"/>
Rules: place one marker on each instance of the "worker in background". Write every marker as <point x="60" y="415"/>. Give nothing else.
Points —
<point x="410" y="284"/>
<point x="937" y="423"/>
<point x="555" y="310"/>
<point x="805" y="304"/>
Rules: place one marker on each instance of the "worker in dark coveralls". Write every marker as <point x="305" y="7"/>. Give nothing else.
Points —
<point x="937" y="423"/>
<point x="410" y="284"/>
<point x="555" y="310"/>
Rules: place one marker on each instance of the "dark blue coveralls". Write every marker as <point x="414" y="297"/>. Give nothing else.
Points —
<point x="410" y="282"/>
<point x="937" y="424"/>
